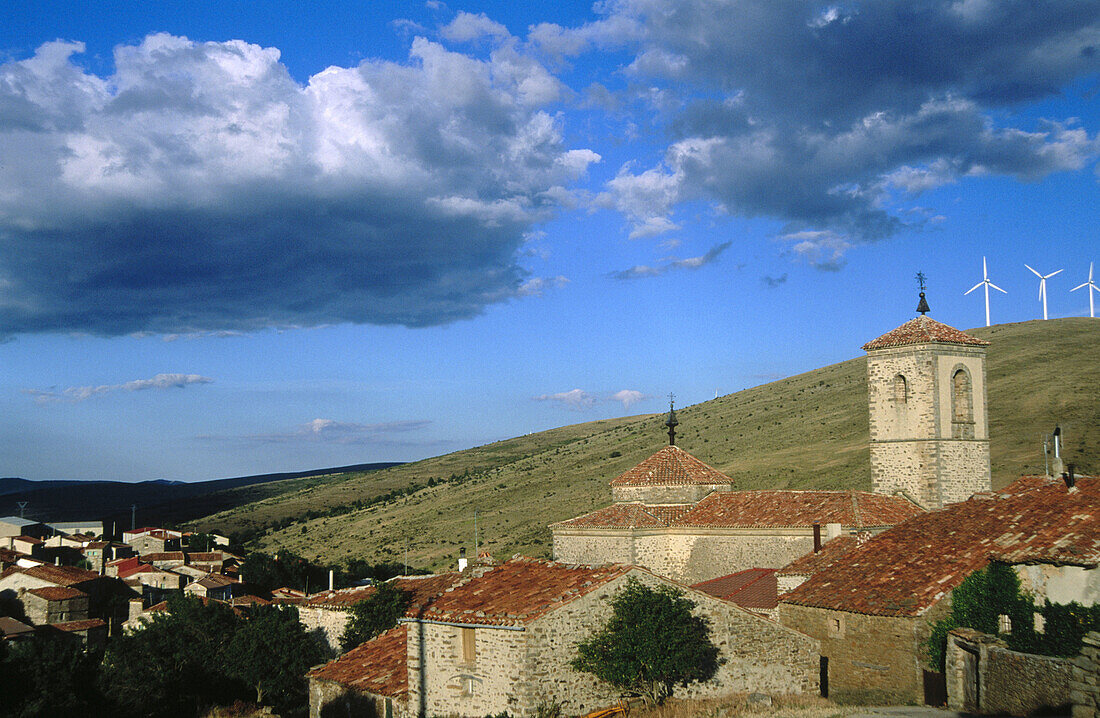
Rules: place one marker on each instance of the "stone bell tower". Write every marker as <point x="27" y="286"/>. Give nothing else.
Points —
<point x="929" y="431"/>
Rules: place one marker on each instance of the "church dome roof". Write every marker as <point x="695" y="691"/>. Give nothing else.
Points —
<point x="923" y="330"/>
<point x="671" y="466"/>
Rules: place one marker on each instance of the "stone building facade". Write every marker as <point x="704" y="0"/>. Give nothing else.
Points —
<point x="501" y="640"/>
<point x="985" y="677"/>
<point x="872" y="606"/>
<point x="927" y="401"/>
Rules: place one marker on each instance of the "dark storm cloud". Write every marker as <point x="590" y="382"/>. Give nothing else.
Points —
<point x="818" y="113"/>
<point x="200" y="188"/>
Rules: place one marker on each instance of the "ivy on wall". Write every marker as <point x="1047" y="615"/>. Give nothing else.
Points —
<point x="986" y="595"/>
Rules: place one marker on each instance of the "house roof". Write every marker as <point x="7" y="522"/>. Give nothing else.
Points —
<point x="166" y="556"/>
<point x="378" y="666"/>
<point x="28" y="539"/>
<point x="923" y="330"/>
<point x="628" y="516"/>
<point x="758" y="509"/>
<point x="84" y="625"/>
<point x="516" y="592"/>
<point x="57" y="575"/>
<point x="812" y="562"/>
<point x="11" y="628"/>
<point x="753" y="588"/>
<point x="17" y="521"/>
<point x="907" y="569"/>
<point x="56" y="593"/>
<point x="422" y="588"/>
<point x="215" y="580"/>
<point x="206" y="556"/>
<point x="671" y="466"/>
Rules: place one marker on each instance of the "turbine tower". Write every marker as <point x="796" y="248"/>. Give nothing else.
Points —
<point x="988" y="284"/>
<point x="1043" y="287"/>
<point x="1091" y="286"/>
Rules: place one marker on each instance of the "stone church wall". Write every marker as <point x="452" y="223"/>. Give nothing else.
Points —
<point x="325" y="624"/>
<point x="685" y="494"/>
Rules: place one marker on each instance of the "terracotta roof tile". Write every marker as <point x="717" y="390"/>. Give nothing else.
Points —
<point x="422" y="588"/>
<point x="753" y="588"/>
<point x="56" y="593"/>
<point x="61" y="575"/>
<point x="166" y="556"/>
<point x="628" y="516"/>
<point x="758" y="509"/>
<point x="812" y="562"/>
<point x="71" y="626"/>
<point x="516" y="592"/>
<point x="923" y="330"/>
<point x="671" y="466"/>
<point x="378" y="666"/>
<point x="906" y="570"/>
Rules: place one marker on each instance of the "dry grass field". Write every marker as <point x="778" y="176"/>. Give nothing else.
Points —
<point x="805" y="431"/>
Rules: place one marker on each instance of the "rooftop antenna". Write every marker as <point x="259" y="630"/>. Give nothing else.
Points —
<point x="672" y="423"/>
<point x="22" y="505"/>
<point x="1043" y="287"/>
<point x="922" y="306"/>
<point x="985" y="281"/>
<point x="1091" y="286"/>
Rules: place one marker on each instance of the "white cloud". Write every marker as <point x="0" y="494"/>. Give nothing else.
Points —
<point x="80" y="393"/>
<point x="537" y="285"/>
<point x="329" y="431"/>
<point x="579" y="400"/>
<point x="467" y="26"/>
<point x="628" y="397"/>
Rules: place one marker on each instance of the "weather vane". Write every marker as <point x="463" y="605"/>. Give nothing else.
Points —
<point x="672" y="423"/>
<point x="922" y="307"/>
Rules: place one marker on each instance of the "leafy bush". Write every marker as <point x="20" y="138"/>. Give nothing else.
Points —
<point x="651" y="643"/>
<point x="374" y="615"/>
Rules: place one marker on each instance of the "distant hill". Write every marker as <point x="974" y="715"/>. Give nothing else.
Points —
<point x="806" y="431"/>
<point x="159" y="501"/>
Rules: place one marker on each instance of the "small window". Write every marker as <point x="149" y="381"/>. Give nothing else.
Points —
<point x="1004" y="624"/>
<point x="1040" y="623"/>
<point x="901" y="389"/>
<point x="469" y="646"/>
<point x="836" y="626"/>
<point x="962" y="405"/>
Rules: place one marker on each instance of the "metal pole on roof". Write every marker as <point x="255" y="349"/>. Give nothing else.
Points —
<point x="133" y="516"/>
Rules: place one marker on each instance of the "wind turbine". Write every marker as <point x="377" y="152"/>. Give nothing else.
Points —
<point x="988" y="284"/>
<point x="1091" y="286"/>
<point x="1043" y="287"/>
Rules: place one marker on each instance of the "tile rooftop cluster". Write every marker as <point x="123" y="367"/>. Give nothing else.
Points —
<point x="671" y="466"/>
<point x="904" y="571"/>
<point x="422" y="588"/>
<point x="757" y="509"/>
<point x="377" y="666"/>
<point x="813" y="562"/>
<point x="923" y="330"/>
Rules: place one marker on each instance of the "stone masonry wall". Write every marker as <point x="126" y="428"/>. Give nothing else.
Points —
<point x="685" y="494"/>
<point x="1084" y="683"/>
<point x="442" y="683"/>
<point x="980" y="669"/>
<point x="325" y="625"/>
<point x="328" y="699"/>
<point x="594" y="547"/>
<point x="873" y="658"/>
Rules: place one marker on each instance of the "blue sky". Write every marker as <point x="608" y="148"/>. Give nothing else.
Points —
<point x="248" y="237"/>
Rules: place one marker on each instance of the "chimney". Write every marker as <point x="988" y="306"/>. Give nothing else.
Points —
<point x="817" y="536"/>
<point x="331" y="579"/>
<point x="135" y="609"/>
<point x="1059" y="467"/>
<point x="1068" y="477"/>
<point x="462" y="559"/>
<point x="832" y="531"/>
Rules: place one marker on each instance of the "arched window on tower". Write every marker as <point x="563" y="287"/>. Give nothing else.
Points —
<point x="901" y="389"/>
<point x="962" y="405"/>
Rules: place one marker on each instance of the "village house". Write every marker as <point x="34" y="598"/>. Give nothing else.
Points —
<point x="872" y="606"/>
<point x="215" y="586"/>
<point x="64" y="598"/>
<point x="12" y="526"/>
<point x="153" y="540"/>
<point x="501" y="639"/>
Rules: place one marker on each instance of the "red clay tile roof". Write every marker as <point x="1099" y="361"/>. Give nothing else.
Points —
<point x="812" y="562"/>
<point x="206" y="556"/>
<point x="757" y="509"/>
<point x="922" y="330"/>
<point x="422" y="588"/>
<point x="906" y="570"/>
<point x="671" y="466"/>
<point x="61" y="575"/>
<point x="753" y="588"/>
<point x="28" y="539"/>
<point x="628" y="516"/>
<point x="516" y="592"/>
<point x="378" y="666"/>
<point x="56" y="593"/>
<point x="10" y="628"/>
<point x="166" y="556"/>
<point x="215" y="580"/>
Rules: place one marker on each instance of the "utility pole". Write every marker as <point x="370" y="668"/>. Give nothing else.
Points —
<point x="475" y="535"/>
<point x="22" y="506"/>
<point x="133" y="517"/>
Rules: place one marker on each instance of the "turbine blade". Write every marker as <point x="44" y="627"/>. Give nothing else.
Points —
<point x="1033" y="271"/>
<point x="997" y="288"/>
<point x="1052" y="274"/>
<point x="1085" y="284"/>
<point x="985" y="274"/>
<point x="968" y="291"/>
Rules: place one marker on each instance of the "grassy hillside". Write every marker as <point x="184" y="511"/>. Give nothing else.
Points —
<point x="806" y="431"/>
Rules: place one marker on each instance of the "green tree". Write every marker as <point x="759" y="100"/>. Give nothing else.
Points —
<point x="271" y="652"/>
<point x="651" y="643"/>
<point x="48" y="675"/>
<point x="374" y="615"/>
